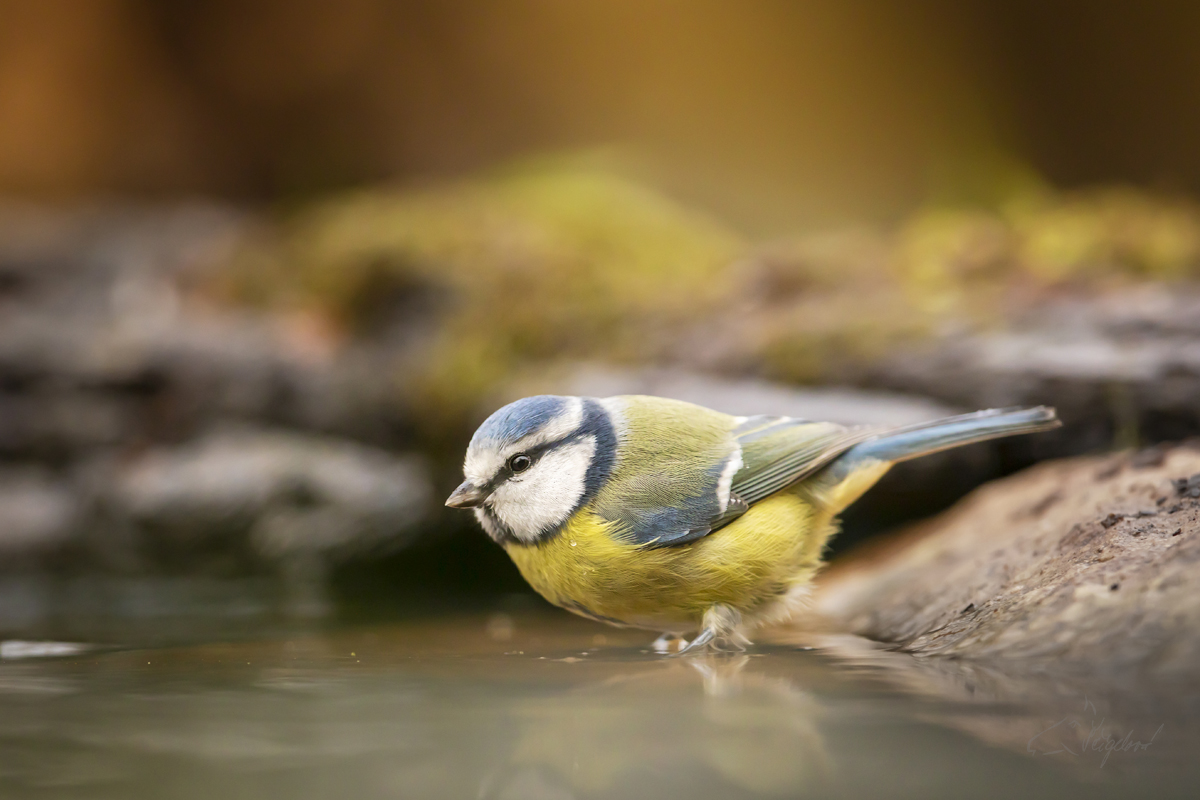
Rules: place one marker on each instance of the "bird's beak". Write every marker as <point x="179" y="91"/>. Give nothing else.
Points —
<point x="467" y="495"/>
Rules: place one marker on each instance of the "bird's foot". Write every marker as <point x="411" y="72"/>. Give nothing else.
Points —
<point x="702" y="640"/>
<point x="720" y="632"/>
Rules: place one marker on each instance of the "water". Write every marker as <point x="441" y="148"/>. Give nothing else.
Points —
<point x="539" y="705"/>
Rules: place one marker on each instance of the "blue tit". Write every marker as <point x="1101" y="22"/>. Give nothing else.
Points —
<point x="659" y="514"/>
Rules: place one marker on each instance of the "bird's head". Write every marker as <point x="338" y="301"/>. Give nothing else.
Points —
<point x="533" y="464"/>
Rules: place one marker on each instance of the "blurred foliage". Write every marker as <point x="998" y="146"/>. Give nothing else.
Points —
<point x="555" y="263"/>
<point x="1049" y="239"/>
<point x="523" y="266"/>
<point x="945" y="270"/>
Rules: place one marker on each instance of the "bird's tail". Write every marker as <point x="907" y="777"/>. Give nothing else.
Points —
<point x="923" y="438"/>
<point x="854" y="471"/>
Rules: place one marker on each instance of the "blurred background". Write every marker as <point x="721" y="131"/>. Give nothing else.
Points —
<point x="264" y="265"/>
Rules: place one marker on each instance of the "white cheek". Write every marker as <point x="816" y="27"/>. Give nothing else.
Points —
<point x="543" y="497"/>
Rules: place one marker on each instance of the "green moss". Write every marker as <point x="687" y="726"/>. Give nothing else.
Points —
<point x="539" y="264"/>
<point x="1052" y="239"/>
<point x="555" y="263"/>
<point x="1110" y="232"/>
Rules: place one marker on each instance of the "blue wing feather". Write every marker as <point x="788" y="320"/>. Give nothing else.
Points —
<point x="779" y="451"/>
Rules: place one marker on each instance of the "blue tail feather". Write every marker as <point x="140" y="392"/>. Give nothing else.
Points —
<point x="924" y="438"/>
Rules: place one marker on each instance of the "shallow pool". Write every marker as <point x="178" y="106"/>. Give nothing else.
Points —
<point x="541" y="705"/>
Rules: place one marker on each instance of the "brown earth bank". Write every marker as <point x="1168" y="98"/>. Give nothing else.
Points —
<point x="1087" y="562"/>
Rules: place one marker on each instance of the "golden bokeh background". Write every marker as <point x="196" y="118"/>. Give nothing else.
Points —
<point x="778" y="115"/>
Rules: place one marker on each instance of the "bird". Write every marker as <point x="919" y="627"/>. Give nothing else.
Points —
<point x="659" y="514"/>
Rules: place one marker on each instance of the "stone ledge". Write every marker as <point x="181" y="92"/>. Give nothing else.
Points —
<point x="1083" y="560"/>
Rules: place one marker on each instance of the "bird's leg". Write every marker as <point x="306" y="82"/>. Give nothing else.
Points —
<point x="704" y="637"/>
<point x="668" y="642"/>
<point x="720" y="624"/>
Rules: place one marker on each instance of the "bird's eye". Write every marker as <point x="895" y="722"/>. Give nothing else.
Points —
<point x="520" y="462"/>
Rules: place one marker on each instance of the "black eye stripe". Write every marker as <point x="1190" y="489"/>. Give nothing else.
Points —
<point x="597" y="423"/>
<point x="534" y="453"/>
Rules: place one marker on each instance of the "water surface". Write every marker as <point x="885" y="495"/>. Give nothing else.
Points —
<point x="541" y="705"/>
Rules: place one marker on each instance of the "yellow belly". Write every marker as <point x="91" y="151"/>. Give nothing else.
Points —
<point x="748" y="565"/>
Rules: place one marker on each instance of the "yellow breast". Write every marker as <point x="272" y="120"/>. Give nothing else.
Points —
<point x="748" y="564"/>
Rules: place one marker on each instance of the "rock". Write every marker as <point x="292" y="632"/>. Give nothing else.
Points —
<point x="105" y="343"/>
<point x="39" y="517"/>
<point x="114" y="365"/>
<point x="1090" y="561"/>
<point x="74" y="385"/>
<point x="279" y="495"/>
<point x="1122" y="366"/>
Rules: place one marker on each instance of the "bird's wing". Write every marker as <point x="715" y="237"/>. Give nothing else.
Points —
<point x="707" y="480"/>
<point x="779" y="451"/>
<point x="678" y="470"/>
<point x="664" y="511"/>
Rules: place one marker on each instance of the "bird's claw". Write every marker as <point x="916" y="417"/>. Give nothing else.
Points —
<point x="704" y="638"/>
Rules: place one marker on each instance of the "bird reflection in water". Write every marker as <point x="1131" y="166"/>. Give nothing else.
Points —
<point x="691" y="724"/>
